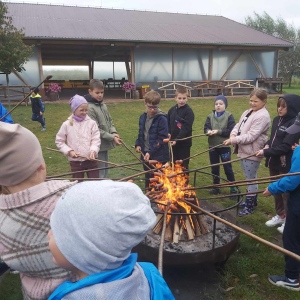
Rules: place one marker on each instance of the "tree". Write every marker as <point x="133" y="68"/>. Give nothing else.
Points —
<point x="13" y="52"/>
<point x="289" y="62"/>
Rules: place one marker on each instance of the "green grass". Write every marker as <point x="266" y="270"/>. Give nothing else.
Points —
<point x="251" y="257"/>
<point x="293" y="89"/>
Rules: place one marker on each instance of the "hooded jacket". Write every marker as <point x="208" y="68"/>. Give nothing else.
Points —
<point x="8" y="118"/>
<point x="158" y="131"/>
<point x="279" y="155"/>
<point x="98" y="112"/>
<point x="37" y="104"/>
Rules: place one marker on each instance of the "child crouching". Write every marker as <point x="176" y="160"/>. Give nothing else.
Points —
<point x="83" y="138"/>
<point x="94" y="227"/>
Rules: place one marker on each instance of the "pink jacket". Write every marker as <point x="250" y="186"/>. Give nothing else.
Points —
<point x="254" y="133"/>
<point x="24" y="245"/>
<point x="83" y="137"/>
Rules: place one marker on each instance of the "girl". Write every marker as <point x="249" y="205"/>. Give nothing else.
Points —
<point x="83" y="138"/>
<point x="278" y="151"/>
<point x="250" y="135"/>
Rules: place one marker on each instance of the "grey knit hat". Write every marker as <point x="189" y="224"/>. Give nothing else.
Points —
<point x="20" y="154"/>
<point x="96" y="224"/>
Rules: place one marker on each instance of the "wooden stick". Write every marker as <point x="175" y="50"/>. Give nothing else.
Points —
<point x="162" y="239"/>
<point x="267" y="243"/>
<point x="47" y="78"/>
<point x="141" y="173"/>
<point x="226" y="196"/>
<point x="202" y="152"/>
<point x="172" y="157"/>
<point x="186" y="138"/>
<point x="103" y="161"/>
<point x="88" y="179"/>
<point x="176" y="230"/>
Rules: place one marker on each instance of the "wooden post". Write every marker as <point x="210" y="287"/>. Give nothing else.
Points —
<point x="173" y="74"/>
<point x="202" y="70"/>
<point x="257" y="66"/>
<point x="40" y="61"/>
<point x="132" y="65"/>
<point x="210" y="64"/>
<point x="232" y="65"/>
<point x="127" y="69"/>
<point x="275" y="66"/>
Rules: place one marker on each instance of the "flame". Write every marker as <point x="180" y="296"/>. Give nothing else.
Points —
<point x="175" y="186"/>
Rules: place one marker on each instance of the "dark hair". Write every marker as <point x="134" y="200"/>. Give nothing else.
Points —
<point x="35" y="89"/>
<point x="152" y="97"/>
<point x="181" y="90"/>
<point x="260" y="94"/>
<point x="281" y="102"/>
<point x="96" y="83"/>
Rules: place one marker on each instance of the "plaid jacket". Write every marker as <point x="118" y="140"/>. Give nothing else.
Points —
<point x="24" y="225"/>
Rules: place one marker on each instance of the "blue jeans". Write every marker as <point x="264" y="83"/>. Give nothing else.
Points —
<point x="38" y="118"/>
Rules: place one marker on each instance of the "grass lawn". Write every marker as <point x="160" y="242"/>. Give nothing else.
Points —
<point x="250" y="258"/>
<point x="294" y="89"/>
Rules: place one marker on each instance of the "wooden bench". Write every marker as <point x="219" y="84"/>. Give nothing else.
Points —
<point x="171" y="86"/>
<point x="239" y="85"/>
<point x="211" y="86"/>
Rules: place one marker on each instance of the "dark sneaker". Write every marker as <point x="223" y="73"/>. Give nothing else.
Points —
<point x="233" y="193"/>
<point x="283" y="281"/>
<point x="3" y="268"/>
<point x="215" y="191"/>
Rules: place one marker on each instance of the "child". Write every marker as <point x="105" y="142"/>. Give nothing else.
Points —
<point x="26" y="203"/>
<point x="291" y="233"/>
<point x="218" y="126"/>
<point x="83" y="138"/>
<point x="38" y="107"/>
<point x="180" y="122"/>
<point x="103" y="221"/>
<point x="99" y="113"/>
<point x="153" y="129"/>
<point x="278" y="151"/>
<point x="3" y="112"/>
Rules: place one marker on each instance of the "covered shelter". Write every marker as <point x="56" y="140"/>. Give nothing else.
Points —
<point x="159" y="49"/>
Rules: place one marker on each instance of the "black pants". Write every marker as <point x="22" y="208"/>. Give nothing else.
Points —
<point x="291" y="242"/>
<point x="38" y="118"/>
<point x="214" y="156"/>
<point x="181" y="152"/>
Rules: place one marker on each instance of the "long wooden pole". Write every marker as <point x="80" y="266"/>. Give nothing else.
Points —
<point x="183" y="139"/>
<point x="226" y="196"/>
<point x="141" y="173"/>
<point x="263" y="241"/>
<point x="162" y="240"/>
<point x="47" y="78"/>
<point x="202" y="152"/>
<point x="88" y="179"/>
<point x="103" y="161"/>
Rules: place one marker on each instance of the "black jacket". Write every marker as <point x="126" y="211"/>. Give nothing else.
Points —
<point x="180" y="122"/>
<point x="279" y="155"/>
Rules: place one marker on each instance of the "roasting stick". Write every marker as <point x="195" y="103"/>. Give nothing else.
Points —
<point x="88" y="179"/>
<point x="107" y="162"/>
<point x="172" y="157"/>
<point x="141" y="173"/>
<point x="76" y="172"/>
<point x="257" y="238"/>
<point x="226" y="196"/>
<point x="213" y="165"/>
<point x="186" y="138"/>
<point x="47" y="78"/>
<point x="162" y="240"/>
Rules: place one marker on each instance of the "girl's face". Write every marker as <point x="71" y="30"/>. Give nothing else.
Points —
<point x="219" y="106"/>
<point x="81" y="111"/>
<point x="256" y="104"/>
<point x="282" y="111"/>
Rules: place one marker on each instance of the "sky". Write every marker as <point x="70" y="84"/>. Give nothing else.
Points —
<point x="233" y="9"/>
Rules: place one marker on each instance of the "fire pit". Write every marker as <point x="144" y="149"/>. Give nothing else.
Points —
<point x="191" y="237"/>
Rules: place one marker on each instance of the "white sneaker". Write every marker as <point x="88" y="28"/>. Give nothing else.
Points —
<point x="281" y="228"/>
<point x="275" y="221"/>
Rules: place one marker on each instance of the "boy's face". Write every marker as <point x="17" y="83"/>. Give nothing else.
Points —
<point x="282" y="111"/>
<point x="151" y="109"/>
<point x="97" y="93"/>
<point x="181" y="99"/>
<point x="219" y="106"/>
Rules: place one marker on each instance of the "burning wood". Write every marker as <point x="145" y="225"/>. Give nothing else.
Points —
<point x="171" y="188"/>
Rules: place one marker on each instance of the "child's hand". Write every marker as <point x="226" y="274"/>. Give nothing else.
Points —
<point x="116" y="135"/>
<point x="295" y="146"/>
<point x="117" y="140"/>
<point x="209" y="132"/>
<point x="41" y="113"/>
<point x="138" y="149"/>
<point x="213" y="132"/>
<point x="73" y="154"/>
<point x="169" y="135"/>
<point x="267" y="193"/>
<point x="260" y="152"/>
<point x="227" y="142"/>
<point x="92" y="155"/>
<point x="147" y="156"/>
<point x="267" y="146"/>
<point x="173" y="143"/>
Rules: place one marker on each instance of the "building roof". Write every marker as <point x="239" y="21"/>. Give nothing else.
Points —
<point x="88" y="23"/>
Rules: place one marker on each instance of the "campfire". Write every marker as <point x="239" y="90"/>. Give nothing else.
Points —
<point x="166" y="186"/>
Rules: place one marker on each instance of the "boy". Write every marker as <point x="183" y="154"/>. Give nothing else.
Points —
<point x="291" y="232"/>
<point x="26" y="203"/>
<point x="103" y="221"/>
<point x="153" y="129"/>
<point x="38" y="107"/>
<point x="218" y="126"/>
<point x="98" y="112"/>
<point x="180" y="122"/>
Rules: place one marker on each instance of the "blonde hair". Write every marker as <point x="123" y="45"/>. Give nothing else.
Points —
<point x="71" y="121"/>
<point x="261" y="94"/>
<point x="152" y="97"/>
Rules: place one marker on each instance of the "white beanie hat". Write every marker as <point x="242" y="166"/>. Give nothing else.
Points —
<point x="96" y="224"/>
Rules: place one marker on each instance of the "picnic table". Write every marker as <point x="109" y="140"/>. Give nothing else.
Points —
<point x="208" y="85"/>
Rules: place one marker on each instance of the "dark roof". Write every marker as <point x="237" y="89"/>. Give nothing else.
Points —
<point x="89" y="23"/>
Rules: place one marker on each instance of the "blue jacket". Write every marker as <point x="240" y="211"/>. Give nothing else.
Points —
<point x="8" y="118"/>
<point x="290" y="184"/>
<point x="158" y="131"/>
